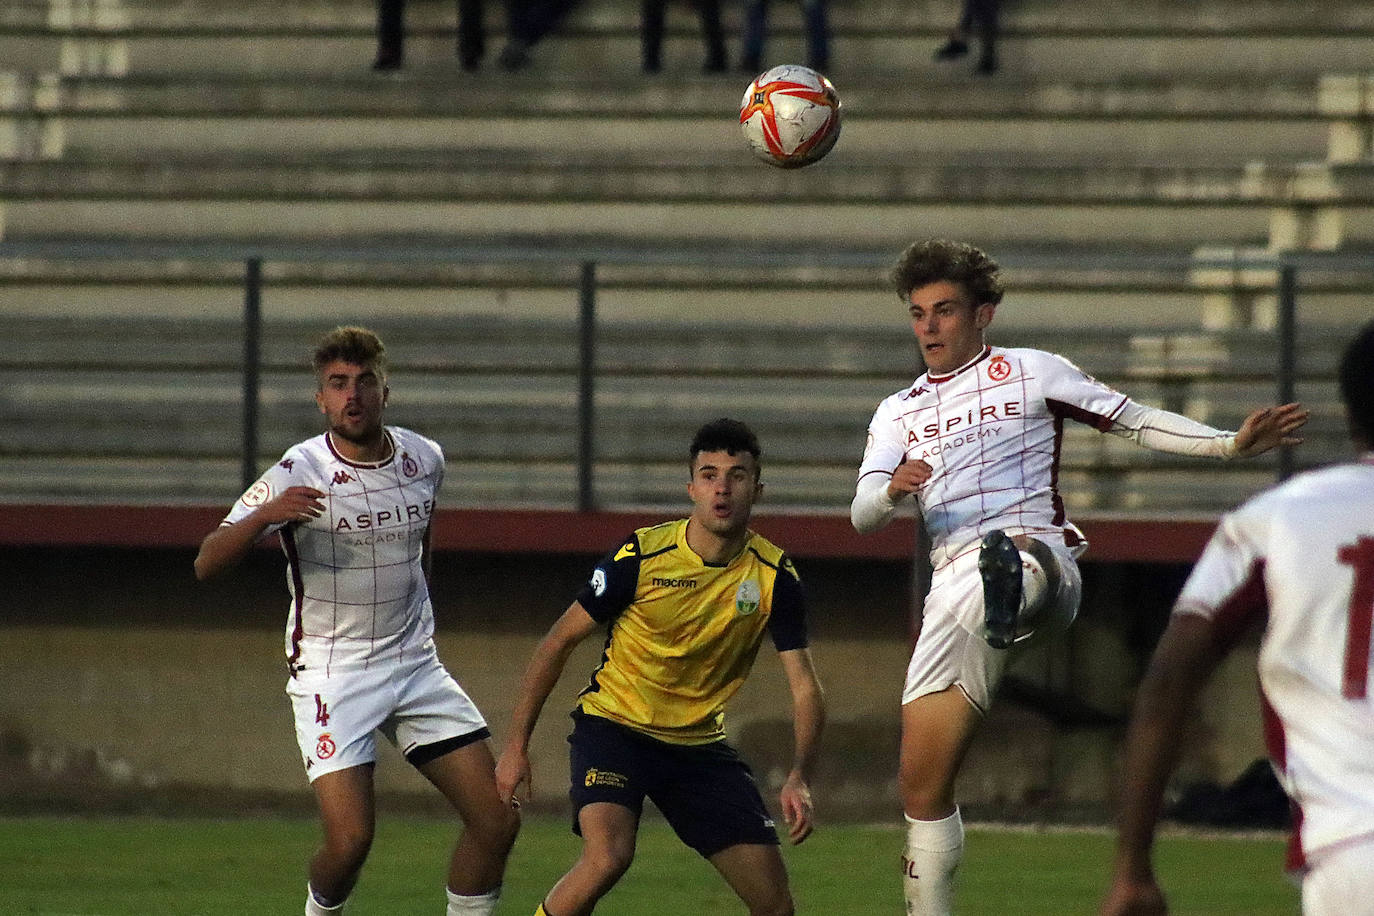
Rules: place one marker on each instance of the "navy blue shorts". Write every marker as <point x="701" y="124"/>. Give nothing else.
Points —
<point x="705" y="791"/>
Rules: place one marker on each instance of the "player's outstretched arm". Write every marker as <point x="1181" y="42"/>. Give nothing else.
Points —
<point x="1270" y="427"/>
<point x="1186" y="656"/>
<point x="228" y="544"/>
<point x="808" y="720"/>
<point x="541" y="675"/>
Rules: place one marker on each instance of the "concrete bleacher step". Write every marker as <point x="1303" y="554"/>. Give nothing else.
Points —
<point x="1143" y="121"/>
<point x="1115" y="38"/>
<point x="503" y="394"/>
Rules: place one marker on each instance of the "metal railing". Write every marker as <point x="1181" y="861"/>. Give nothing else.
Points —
<point x="1288" y="269"/>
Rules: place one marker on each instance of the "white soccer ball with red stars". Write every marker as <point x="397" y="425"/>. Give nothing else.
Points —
<point x="790" y="115"/>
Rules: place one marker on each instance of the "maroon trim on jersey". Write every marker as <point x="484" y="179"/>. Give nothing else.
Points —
<point x="364" y="465"/>
<point x="1061" y="516"/>
<point x="1239" y="610"/>
<point x="293" y="563"/>
<point x="937" y="379"/>
<point x="1276" y="743"/>
<point x="1073" y="412"/>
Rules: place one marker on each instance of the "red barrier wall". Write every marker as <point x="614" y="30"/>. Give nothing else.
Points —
<point x="1111" y="538"/>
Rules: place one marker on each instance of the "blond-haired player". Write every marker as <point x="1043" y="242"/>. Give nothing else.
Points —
<point x="352" y="507"/>
<point x="976" y="440"/>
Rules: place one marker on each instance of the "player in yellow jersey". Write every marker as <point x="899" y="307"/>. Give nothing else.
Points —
<point x="686" y="605"/>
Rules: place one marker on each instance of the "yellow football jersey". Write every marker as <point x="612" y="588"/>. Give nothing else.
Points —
<point x="683" y="633"/>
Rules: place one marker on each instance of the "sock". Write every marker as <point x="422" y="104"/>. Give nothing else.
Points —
<point x="316" y="906"/>
<point x="479" y="905"/>
<point x="933" y="851"/>
<point x="1034" y="584"/>
<point x="541" y="911"/>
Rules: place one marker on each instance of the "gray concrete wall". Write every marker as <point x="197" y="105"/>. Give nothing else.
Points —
<point x="118" y="694"/>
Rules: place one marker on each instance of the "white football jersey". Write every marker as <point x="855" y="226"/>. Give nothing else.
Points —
<point x="1304" y="553"/>
<point x="991" y="431"/>
<point x="357" y="582"/>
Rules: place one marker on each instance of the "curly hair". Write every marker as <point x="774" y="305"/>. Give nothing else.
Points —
<point x="933" y="260"/>
<point x="725" y="435"/>
<point x="350" y="344"/>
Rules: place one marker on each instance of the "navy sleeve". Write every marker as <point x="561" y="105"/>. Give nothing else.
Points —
<point x="787" y="622"/>
<point x="612" y="585"/>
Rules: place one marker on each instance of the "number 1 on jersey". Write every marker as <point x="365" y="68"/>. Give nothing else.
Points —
<point x="1360" y="557"/>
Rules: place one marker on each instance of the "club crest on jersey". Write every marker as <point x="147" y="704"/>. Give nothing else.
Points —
<point x="999" y="370"/>
<point x="324" y="746"/>
<point x="747" y="598"/>
<point x="408" y="465"/>
<point x="257" y="494"/>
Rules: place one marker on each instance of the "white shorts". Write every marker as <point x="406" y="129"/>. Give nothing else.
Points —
<point x="415" y="704"/>
<point x="951" y="650"/>
<point x="1341" y="881"/>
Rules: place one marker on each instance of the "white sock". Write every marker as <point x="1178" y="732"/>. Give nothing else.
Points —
<point x="313" y="906"/>
<point x="480" y="905"/>
<point x="1034" y="584"/>
<point x="933" y="851"/>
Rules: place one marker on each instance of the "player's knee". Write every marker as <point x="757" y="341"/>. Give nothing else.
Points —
<point x="349" y="846"/>
<point x="503" y="830"/>
<point x="923" y="798"/>
<point x="608" y="863"/>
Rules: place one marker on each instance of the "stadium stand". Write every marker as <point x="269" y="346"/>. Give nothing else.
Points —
<point x="1221" y="128"/>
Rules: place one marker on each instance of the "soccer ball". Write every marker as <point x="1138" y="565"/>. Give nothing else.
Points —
<point x="790" y="116"/>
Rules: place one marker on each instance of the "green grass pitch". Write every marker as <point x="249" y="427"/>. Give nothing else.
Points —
<point x="255" y="865"/>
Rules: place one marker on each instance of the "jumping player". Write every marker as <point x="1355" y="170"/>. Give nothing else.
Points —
<point x="976" y="440"/>
<point x="353" y="507"/>
<point x="1302" y="557"/>
<point x="686" y="605"/>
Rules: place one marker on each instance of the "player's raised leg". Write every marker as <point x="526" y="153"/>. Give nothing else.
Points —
<point x="609" y="832"/>
<point x="466" y="777"/>
<point x="757" y="874"/>
<point x="348" y="816"/>
<point x="937" y="729"/>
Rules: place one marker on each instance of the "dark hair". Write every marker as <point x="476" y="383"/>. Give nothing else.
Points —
<point x="354" y="345"/>
<point x="1357" y="384"/>
<point x="725" y="435"/>
<point x="932" y="260"/>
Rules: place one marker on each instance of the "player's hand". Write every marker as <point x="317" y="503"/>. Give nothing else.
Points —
<point x="294" y="504"/>
<point x="1134" y="898"/>
<point x="797" y="813"/>
<point x="1269" y="427"/>
<point x="513" y="776"/>
<point x="908" y="477"/>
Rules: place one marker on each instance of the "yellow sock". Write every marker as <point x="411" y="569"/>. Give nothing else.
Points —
<point x="541" y="911"/>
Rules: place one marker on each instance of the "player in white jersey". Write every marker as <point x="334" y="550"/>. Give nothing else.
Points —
<point x="353" y="508"/>
<point x="1301" y="555"/>
<point x="976" y="439"/>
